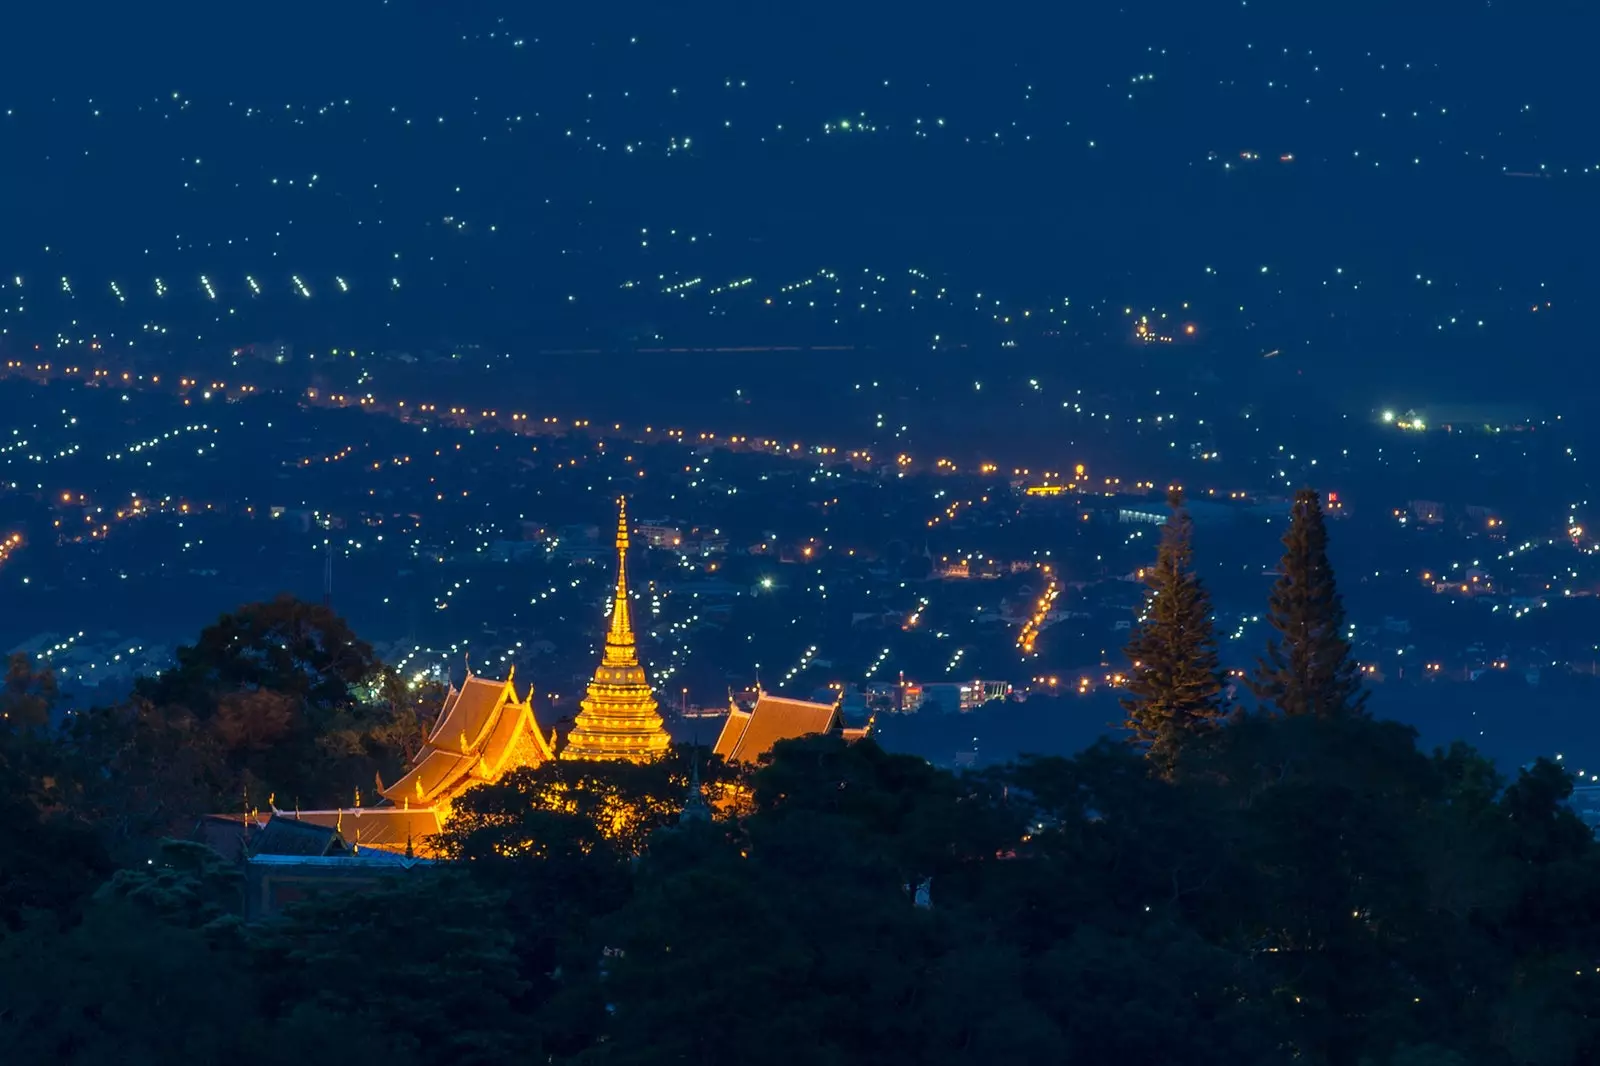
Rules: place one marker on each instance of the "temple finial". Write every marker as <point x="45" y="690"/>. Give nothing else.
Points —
<point x="621" y="626"/>
<point x="695" y="808"/>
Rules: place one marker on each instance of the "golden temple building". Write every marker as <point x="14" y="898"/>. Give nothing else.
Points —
<point x="748" y="735"/>
<point x="617" y="718"/>
<point x="484" y="731"/>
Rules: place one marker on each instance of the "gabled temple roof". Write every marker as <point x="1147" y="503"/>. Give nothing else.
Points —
<point x="285" y="835"/>
<point x="382" y="828"/>
<point x="732" y="730"/>
<point x="514" y="740"/>
<point x="483" y="730"/>
<point x="435" y="773"/>
<point x="468" y="713"/>
<point x="773" y="719"/>
<point x="228" y="834"/>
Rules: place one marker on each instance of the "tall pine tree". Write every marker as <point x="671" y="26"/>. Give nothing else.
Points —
<point x="1308" y="668"/>
<point x="1176" y="688"/>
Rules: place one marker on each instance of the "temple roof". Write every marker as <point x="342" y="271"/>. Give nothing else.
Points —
<point x="467" y="713"/>
<point x="286" y="835"/>
<point x="732" y="730"/>
<point x="483" y="731"/>
<point x="772" y="719"/>
<point x="228" y="834"/>
<point x="384" y="828"/>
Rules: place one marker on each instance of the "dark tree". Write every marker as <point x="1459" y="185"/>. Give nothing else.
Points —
<point x="28" y="696"/>
<point x="286" y="646"/>
<point x="1176" y="690"/>
<point x="287" y="699"/>
<point x="1308" y="668"/>
<point x="427" y="957"/>
<point x="802" y="930"/>
<point x="49" y="861"/>
<point x="157" y="969"/>
<point x="137" y="773"/>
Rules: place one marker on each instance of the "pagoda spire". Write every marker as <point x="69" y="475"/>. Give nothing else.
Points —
<point x="618" y="717"/>
<point x="695" y="808"/>
<point x="621" y="633"/>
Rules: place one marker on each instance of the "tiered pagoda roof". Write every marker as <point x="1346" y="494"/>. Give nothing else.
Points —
<point x="483" y="732"/>
<point x="618" y="717"/>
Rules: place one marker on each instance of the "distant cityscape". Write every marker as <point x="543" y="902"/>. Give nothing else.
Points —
<point x="896" y="578"/>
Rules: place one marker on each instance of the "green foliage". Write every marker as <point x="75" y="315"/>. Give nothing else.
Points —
<point x="1303" y="886"/>
<point x="1175" y="689"/>
<point x="1308" y="668"/>
<point x="188" y="885"/>
<point x="427" y="959"/>
<point x="607" y="805"/>
<point x="801" y="935"/>
<point x="27" y="697"/>
<point x="1298" y="888"/>
<point x="137" y="772"/>
<point x="50" y="860"/>
<point x="157" y="970"/>
<point x="286" y="646"/>
<point x="277" y="699"/>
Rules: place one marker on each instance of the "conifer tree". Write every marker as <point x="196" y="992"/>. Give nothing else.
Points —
<point x="1308" y="668"/>
<point x="1176" y="690"/>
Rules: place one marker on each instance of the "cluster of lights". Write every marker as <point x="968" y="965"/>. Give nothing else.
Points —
<point x="1029" y="637"/>
<point x="1085" y="684"/>
<point x="799" y="667"/>
<point x="1410" y="420"/>
<point x="915" y="617"/>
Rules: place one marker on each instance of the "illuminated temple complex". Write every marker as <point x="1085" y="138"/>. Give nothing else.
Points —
<point x="484" y="731"/>
<point x="618" y="717"/>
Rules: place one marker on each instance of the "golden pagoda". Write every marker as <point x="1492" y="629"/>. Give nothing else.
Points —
<point x="618" y="718"/>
